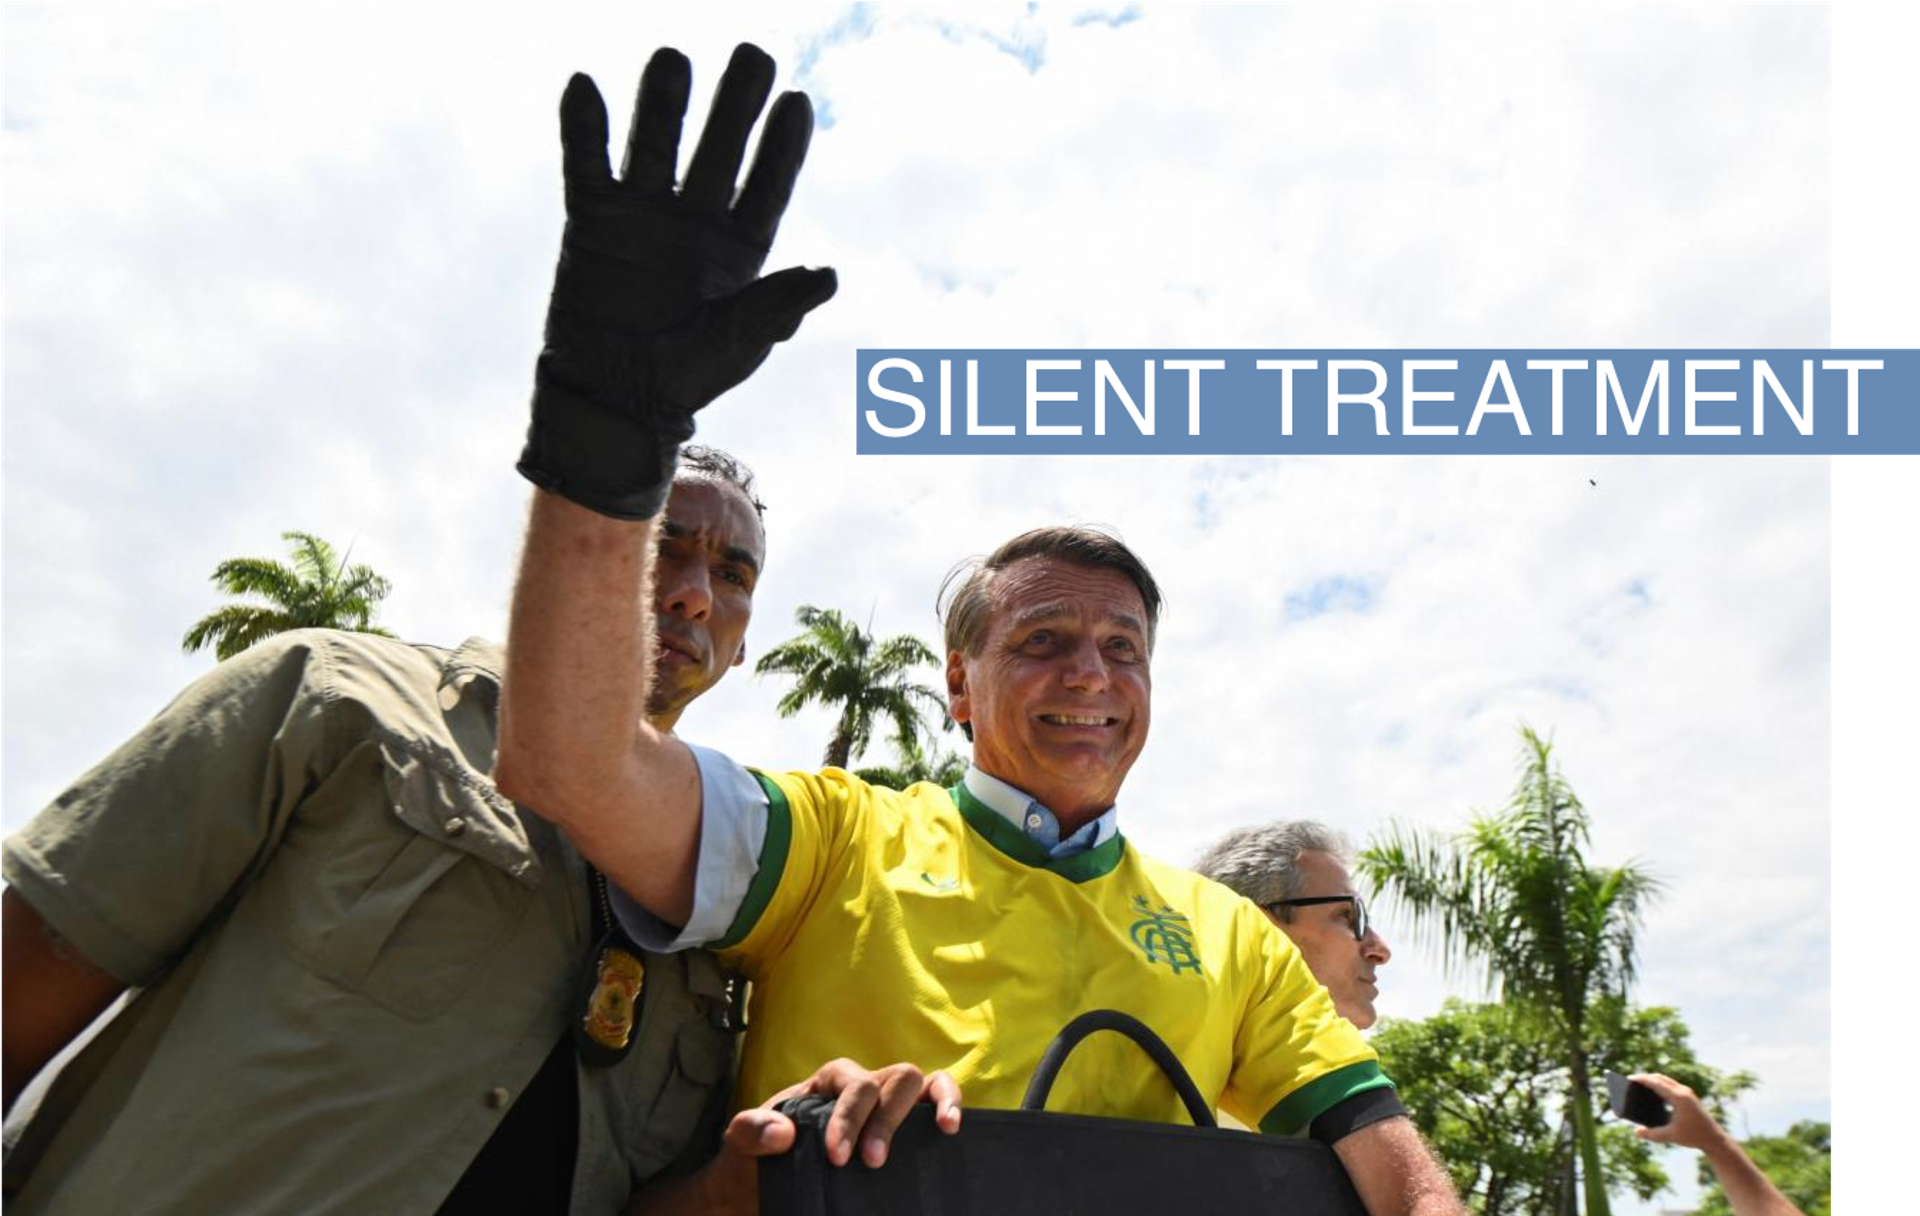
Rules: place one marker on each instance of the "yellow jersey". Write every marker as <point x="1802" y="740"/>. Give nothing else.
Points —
<point x="920" y="925"/>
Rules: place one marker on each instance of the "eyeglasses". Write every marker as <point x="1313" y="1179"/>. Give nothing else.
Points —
<point x="1360" y="922"/>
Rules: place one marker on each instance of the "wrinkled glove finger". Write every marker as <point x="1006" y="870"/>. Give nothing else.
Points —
<point x="736" y="103"/>
<point x="776" y="166"/>
<point x="583" y="134"/>
<point x="740" y="331"/>
<point x="770" y="310"/>
<point x="653" y="141"/>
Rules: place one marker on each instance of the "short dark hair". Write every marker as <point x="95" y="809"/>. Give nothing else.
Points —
<point x="699" y="460"/>
<point x="965" y="593"/>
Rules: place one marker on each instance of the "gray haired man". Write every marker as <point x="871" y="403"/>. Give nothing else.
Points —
<point x="1296" y="870"/>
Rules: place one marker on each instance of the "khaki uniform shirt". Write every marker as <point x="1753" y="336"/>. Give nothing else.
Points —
<point x="349" y="954"/>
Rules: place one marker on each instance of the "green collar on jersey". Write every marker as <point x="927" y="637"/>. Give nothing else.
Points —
<point x="1010" y="840"/>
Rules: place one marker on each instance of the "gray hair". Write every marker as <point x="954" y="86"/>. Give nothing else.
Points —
<point x="965" y="599"/>
<point x="964" y="602"/>
<point x="1262" y="863"/>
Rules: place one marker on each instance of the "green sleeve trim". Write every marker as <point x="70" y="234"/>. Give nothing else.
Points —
<point x="773" y="863"/>
<point x="1095" y="862"/>
<point x="1304" y="1105"/>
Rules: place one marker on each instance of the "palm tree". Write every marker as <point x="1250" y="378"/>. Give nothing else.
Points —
<point x="1515" y="893"/>
<point x="914" y="764"/>
<point x="318" y="591"/>
<point x="835" y="662"/>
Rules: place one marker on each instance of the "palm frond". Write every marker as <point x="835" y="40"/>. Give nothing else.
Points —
<point x="232" y="629"/>
<point x="792" y="657"/>
<point x="312" y="557"/>
<point x="834" y="662"/>
<point x="794" y="700"/>
<point x="258" y="576"/>
<point x="1515" y="893"/>
<point x="316" y="591"/>
<point x="902" y="653"/>
<point x="1430" y="881"/>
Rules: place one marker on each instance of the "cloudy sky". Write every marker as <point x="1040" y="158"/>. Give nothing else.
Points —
<point x="287" y="269"/>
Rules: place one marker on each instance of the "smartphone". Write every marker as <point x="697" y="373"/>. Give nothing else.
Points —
<point x="1636" y="1103"/>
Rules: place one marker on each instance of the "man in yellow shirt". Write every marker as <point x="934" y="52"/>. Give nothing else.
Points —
<point x="953" y="930"/>
<point x="968" y="908"/>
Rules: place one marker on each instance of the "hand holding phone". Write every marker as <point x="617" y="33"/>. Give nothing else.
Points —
<point x="1635" y="1102"/>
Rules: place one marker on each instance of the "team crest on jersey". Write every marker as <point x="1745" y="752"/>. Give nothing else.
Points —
<point x="1164" y="936"/>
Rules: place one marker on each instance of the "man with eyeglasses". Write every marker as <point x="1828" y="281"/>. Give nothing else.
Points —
<point x="1296" y="870"/>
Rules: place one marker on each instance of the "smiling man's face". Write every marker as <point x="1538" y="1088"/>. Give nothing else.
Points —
<point x="711" y="551"/>
<point x="1058" y="695"/>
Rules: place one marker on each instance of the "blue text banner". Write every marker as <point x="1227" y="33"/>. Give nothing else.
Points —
<point x="1245" y="402"/>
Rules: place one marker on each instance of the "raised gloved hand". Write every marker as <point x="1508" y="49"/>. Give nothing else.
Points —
<point x="657" y="306"/>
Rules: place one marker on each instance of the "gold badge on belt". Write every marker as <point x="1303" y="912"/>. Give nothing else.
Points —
<point x="616" y="995"/>
<point x="609" y="996"/>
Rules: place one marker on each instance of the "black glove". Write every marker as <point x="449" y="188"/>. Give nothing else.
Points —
<point x="657" y="306"/>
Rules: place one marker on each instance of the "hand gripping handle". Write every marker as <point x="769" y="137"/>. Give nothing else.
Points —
<point x="1149" y="1042"/>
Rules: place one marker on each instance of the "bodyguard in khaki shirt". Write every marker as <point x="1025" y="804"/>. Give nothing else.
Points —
<point x="348" y="957"/>
<point x="353" y="964"/>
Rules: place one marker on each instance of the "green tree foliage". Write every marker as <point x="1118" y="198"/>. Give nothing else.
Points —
<point x="915" y="763"/>
<point x="318" y="591"/>
<point x="1487" y="1086"/>
<point x="1800" y="1163"/>
<point x="1515" y="893"/>
<point x="836" y="663"/>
